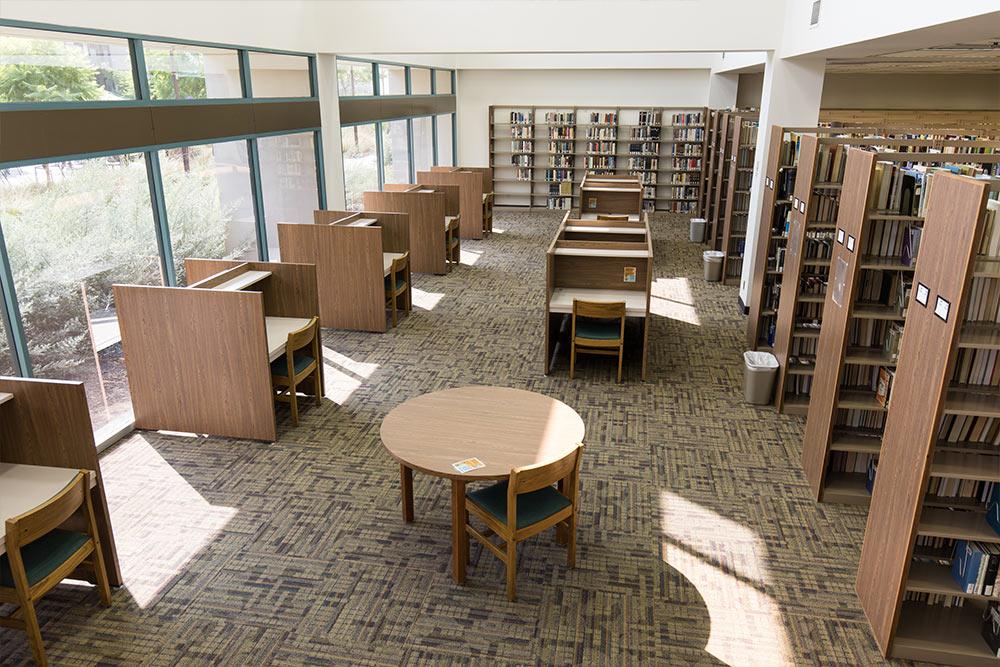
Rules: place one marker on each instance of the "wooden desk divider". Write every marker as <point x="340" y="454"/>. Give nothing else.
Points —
<point x="197" y="357"/>
<point x="596" y="271"/>
<point x="612" y="195"/>
<point x="742" y="148"/>
<point x="349" y="262"/>
<point x="426" y="213"/>
<point x="47" y="423"/>
<point x="487" y="175"/>
<point x="940" y="434"/>
<point x="471" y="194"/>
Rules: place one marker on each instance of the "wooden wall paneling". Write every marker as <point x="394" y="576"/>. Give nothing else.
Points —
<point x="48" y="424"/>
<point x="727" y="217"/>
<point x="762" y="249"/>
<point x="837" y="310"/>
<point x="470" y="186"/>
<point x="197" y="360"/>
<point x="291" y="291"/>
<point x="349" y="273"/>
<point x="426" y="224"/>
<point x="794" y="250"/>
<point x="923" y="372"/>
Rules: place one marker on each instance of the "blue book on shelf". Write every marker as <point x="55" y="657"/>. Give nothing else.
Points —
<point x="870" y="476"/>
<point x="993" y="509"/>
<point x="965" y="565"/>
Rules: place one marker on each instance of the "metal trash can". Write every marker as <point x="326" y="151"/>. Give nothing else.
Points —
<point x="697" y="230"/>
<point x="759" y="372"/>
<point x="713" y="265"/>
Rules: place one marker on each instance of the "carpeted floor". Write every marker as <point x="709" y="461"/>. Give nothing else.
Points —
<point x="698" y="540"/>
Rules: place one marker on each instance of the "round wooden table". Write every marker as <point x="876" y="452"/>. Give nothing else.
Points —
<point x="504" y="428"/>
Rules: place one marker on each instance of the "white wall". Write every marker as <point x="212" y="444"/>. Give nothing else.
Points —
<point x="478" y="89"/>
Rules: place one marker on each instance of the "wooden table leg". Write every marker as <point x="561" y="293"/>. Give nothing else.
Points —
<point x="406" y="491"/>
<point x="459" y="538"/>
<point x="562" y="535"/>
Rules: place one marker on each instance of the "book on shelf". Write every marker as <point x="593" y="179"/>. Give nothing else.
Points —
<point x="993" y="510"/>
<point x="649" y="118"/>
<point x="884" y="388"/>
<point x="608" y="118"/>
<point x="560" y="118"/>
<point x="686" y="118"/>
<point x="870" y="475"/>
<point x="974" y="567"/>
<point x="521" y="118"/>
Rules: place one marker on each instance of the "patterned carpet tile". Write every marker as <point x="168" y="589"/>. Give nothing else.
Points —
<point x="699" y="542"/>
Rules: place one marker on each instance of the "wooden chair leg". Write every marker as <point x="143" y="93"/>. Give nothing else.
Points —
<point x="620" y="355"/>
<point x="103" y="587"/>
<point x="393" y="304"/>
<point x="293" y="400"/>
<point x="34" y="633"/>
<point x="318" y="384"/>
<point x="511" y="570"/>
<point x="571" y="547"/>
<point x="572" y="360"/>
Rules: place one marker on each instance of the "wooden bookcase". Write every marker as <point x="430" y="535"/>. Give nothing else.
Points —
<point x="711" y="164"/>
<point x="910" y="529"/>
<point x="743" y="147"/>
<point x="723" y="141"/>
<point x="664" y="146"/>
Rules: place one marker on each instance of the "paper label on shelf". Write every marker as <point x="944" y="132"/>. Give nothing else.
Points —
<point x="850" y="243"/>
<point x="591" y="202"/>
<point x="802" y="206"/>
<point x="923" y="294"/>
<point x="941" y="308"/>
<point x="840" y="236"/>
<point x="629" y="274"/>
<point x="468" y="465"/>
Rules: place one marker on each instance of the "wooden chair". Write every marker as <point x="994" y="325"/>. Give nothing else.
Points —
<point x="452" y="248"/>
<point x="291" y="369"/>
<point x="525" y="505"/>
<point x="40" y="555"/>
<point x="597" y="330"/>
<point x="397" y="284"/>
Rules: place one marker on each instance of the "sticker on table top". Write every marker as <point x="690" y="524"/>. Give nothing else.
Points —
<point x="941" y="308"/>
<point x="923" y="294"/>
<point x="629" y="274"/>
<point x="850" y="243"/>
<point x="840" y="236"/>
<point x="468" y="465"/>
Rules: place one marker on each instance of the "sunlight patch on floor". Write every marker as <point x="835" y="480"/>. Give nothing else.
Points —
<point x="426" y="300"/>
<point x="723" y="560"/>
<point x="160" y="521"/>
<point x="470" y="257"/>
<point x="342" y="376"/>
<point x="672" y="298"/>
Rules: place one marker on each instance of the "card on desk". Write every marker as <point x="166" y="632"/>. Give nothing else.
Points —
<point x="468" y="465"/>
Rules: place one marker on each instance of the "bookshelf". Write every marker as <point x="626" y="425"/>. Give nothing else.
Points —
<point x="743" y="147"/>
<point x="720" y="189"/>
<point x="707" y="195"/>
<point x="947" y="374"/>
<point x="663" y="146"/>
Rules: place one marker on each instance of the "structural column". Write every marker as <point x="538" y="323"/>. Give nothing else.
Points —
<point x="722" y="88"/>
<point x="790" y="97"/>
<point x="333" y="151"/>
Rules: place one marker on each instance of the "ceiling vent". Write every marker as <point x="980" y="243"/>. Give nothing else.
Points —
<point x="814" y="17"/>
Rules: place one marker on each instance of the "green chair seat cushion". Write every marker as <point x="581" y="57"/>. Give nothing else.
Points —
<point x="280" y="365"/>
<point x="43" y="556"/>
<point x="400" y="282"/>
<point x="531" y="507"/>
<point x="598" y="329"/>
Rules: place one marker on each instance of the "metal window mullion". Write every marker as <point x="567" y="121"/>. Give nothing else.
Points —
<point x="157" y="197"/>
<point x="140" y="77"/>
<point x="434" y="138"/>
<point x="11" y="314"/>
<point x="454" y="141"/>
<point x="379" y="164"/>
<point x="376" y="88"/>
<point x="314" y="76"/>
<point x="320" y="169"/>
<point x="246" y="86"/>
<point x="409" y="150"/>
<point x="258" y="198"/>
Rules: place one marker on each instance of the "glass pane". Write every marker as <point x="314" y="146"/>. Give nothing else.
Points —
<point x="420" y="81"/>
<point x="42" y="66"/>
<point x="288" y="181"/>
<point x="444" y="139"/>
<point x="442" y="82"/>
<point x="354" y="78"/>
<point x="182" y="72"/>
<point x="360" y="166"/>
<point x="395" y="152"/>
<point x="391" y="80"/>
<point x="209" y="203"/>
<point x="6" y="353"/>
<point x="423" y="144"/>
<point x="279" y="75"/>
<point x="74" y="229"/>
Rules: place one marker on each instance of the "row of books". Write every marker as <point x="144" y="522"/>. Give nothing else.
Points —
<point x="522" y="160"/>
<point x="648" y="205"/>
<point x="563" y="188"/>
<point x="687" y="150"/>
<point x="823" y="209"/>
<point x="649" y="192"/>
<point x="560" y="160"/>
<point x="798" y="384"/>
<point x="649" y="118"/>
<point x="605" y="133"/>
<point x="522" y="132"/>
<point x="887" y="288"/>
<point x="558" y="174"/>
<point x="974" y="567"/>
<point x="743" y="180"/>
<point x="691" y="163"/>
<point x="610" y="118"/>
<point x="694" y="134"/>
<point x="984" y="300"/>
<point x="784" y="186"/>
<point x="683" y="177"/>
<point x="977" y="491"/>
<point x="646" y="177"/>
<point x="643" y="163"/>
<point x="989" y="247"/>
<point x="560" y="203"/>
<point x="789" y="152"/>
<point x="560" y="117"/>
<point x="680" y="206"/>
<point x="970" y="428"/>
<point x="562" y="132"/>
<point x="643" y="148"/>
<point x="521" y="117"/>
<point x="681" y="192"/>
<point x="744" y="157"/>
<point x="521" y="146"/>
<point x="686" y="119"/>
<point x="830" y="164"/>
<point x="563" y="147"/>
<point x="600" y="162"/>
<point x="644" y="133"/>
<point x="977" y="366"/>
<point x="522" y="174"/>
<point x="868" y="420"/>
<point x="748" y="134"/>
<point x="851" y="462"/>
<point x="600" y="147"/>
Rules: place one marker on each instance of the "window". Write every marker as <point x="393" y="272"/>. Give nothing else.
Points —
<point x="420" y="81"/>
<point x="442" y="82"/>
<point x="42" y="66"/>
<point x="6" y="351"/>
<point x="279" y="75"/>
<point x="391" y="80"/>
<point x="288" y="181"/>
<point x="182" y="72"/>
<point x="360" y="163"/>
<point x="73" y="229"/>
<point x="209" y="202"/>
<point x="423" y="144"/>
<point x="444" y="140"/>
<point x="395" y="152"/>
<point x="354" y="78"/>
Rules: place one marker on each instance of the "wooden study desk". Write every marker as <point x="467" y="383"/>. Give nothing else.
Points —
<point x="24" y="487"/>
<point x="427" y="207"/>
<point x="503" y="428"/>
<point x="198" y="357"/>
<point x="602" y="262"/>
<point x="387" y="259"/>
<point x="349" y="251"/>
<point x="46" y="438"/>
<point x="4" y="397"/>
<point x="472" y="195"/>
<point x="611" y="195"/>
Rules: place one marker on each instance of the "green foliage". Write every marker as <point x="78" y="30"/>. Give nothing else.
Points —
<point x="354" y="79"/>
<point x="175" y="75"/>
<point x="49" y="71"/>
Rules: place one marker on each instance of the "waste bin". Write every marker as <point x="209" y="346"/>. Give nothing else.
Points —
<point x="713" y="265"/>
<point x="759" y="371"/>
<point x="697" y="230"/>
